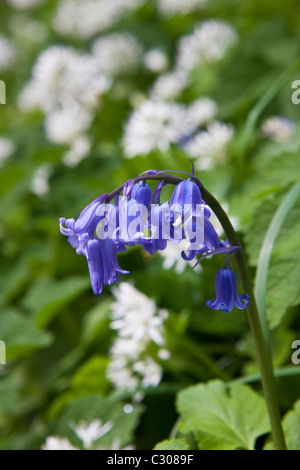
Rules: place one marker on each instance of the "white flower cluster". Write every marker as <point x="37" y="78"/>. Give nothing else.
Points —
<point x="138" y="322"/>
<point x="6" y="149"/>
<point x="168" y="86"/>
<point x="209" y="43"/>
<point x="117" y="53"/>
<point x="88" y="433"/>
<point x="24" y="4"/>
<point x="88" y="18"/>
<point x="7" y="54"/>
<point x="172" y="7"/>
<point x="156" y="60"/>
<point x="155" y="125"/>
<point x="67" y="87"/>
<point x="172" y="257"/>
<point x="40" y="181"/>
<point x="209" y="146"/>
<point x="158" y="124"/>
<point x="278" y="128"/>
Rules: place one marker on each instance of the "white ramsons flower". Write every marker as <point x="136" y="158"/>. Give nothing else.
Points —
<point x="155" y="125"/>
<point x="85" y="19"/>
<point x="24" y="4"/>
<point x="202" y="111"/>
<point x="6" y="150"/>
<point x="210" y="145"/>
<point x="169" y="86"/>
<point x="58" y="443"/>
<point x="7" y="54"/>
<point x="62" y="77"/>
<point x="150" y="372"/>
<point x="171" y="7"/>
<point x="138" y="322"/>
<point x="278" y="128"/>
<point x="137" y="316"/>
<point x="209" y="43"/>
<point x="117" y="53"/>
<point x="156" y="60"/>
<point x="79" y="150"/>
<point x="64" y="126"/>
<point x="40" y="181"/>
<point x="172" y="256"/>
<point x="91" y="432"/>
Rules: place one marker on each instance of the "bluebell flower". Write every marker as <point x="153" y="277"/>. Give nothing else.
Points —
<point x="227" y="292"/>
<point x="82" y="230"/>
<point x="103" y="263"/>
<point x="188" y="194"/>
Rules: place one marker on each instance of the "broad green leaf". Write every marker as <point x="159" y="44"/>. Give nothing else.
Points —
<point x="283" y="288"/>
<point x="291" y="427"/>
<point x="222" y="418"/>
<point x="47" y="297"/>
<point x="21" y="335"/>
<point x="172" y="444"/>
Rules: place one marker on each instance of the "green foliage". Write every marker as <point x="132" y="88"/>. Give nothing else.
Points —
<point x="221" y="418"/>
<point x="172" y="444"/>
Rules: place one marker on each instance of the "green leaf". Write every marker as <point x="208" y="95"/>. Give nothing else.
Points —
<point x="291" y="428"/>
<point x="284" y="266"/>
<point x="47" y="297"/>
<point x="222" y="418"/>
<point x="20" y="334"/>
<point x="172" y="444"/>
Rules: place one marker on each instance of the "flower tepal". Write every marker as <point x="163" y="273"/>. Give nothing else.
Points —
<point x="227" y="292"/>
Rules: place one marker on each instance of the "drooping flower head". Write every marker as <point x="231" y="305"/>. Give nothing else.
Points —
<point x="133" y="215"/>
<point x="227" y="292"/>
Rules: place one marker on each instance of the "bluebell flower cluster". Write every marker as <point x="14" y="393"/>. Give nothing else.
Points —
<point x="134" y="215"/>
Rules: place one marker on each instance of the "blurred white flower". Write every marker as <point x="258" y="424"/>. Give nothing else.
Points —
<point x="117" y="53"/>
<point x="278" y="128"/>
<point x="6" y="149"/>
<point x="79" y="150"/>
<point x="209" y="43"/>
<point x="62" y="77"/>
<point x="120" y="374"/>
<point x="40" y="181"/>
<point x="117" y="443"/>
<point x="171" y="7"/>
<point x="136" y="316"/>
<point x="155" y="125"/>
<point x="58" y="443"/>
<point x="65" y="125"/>
<point x="24" y="4"/>
<point x="150" y="372"/>
<point x="138" y="322"/>
<point x="169" y="86"/>
<point x="156" y="60"/>
<point x="172" y="256"/>
<point x="210" y="145"/>
<point x="85" y="19"/>
<point x="90" y="432"/>
<point x="7" y="54"/>
<point x="202" y="111"/>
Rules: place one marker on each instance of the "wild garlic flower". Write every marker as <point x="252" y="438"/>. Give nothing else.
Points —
<point x="155" y="125"/>
<point x="209" y="43"/>
<point x="117" y="53"/>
